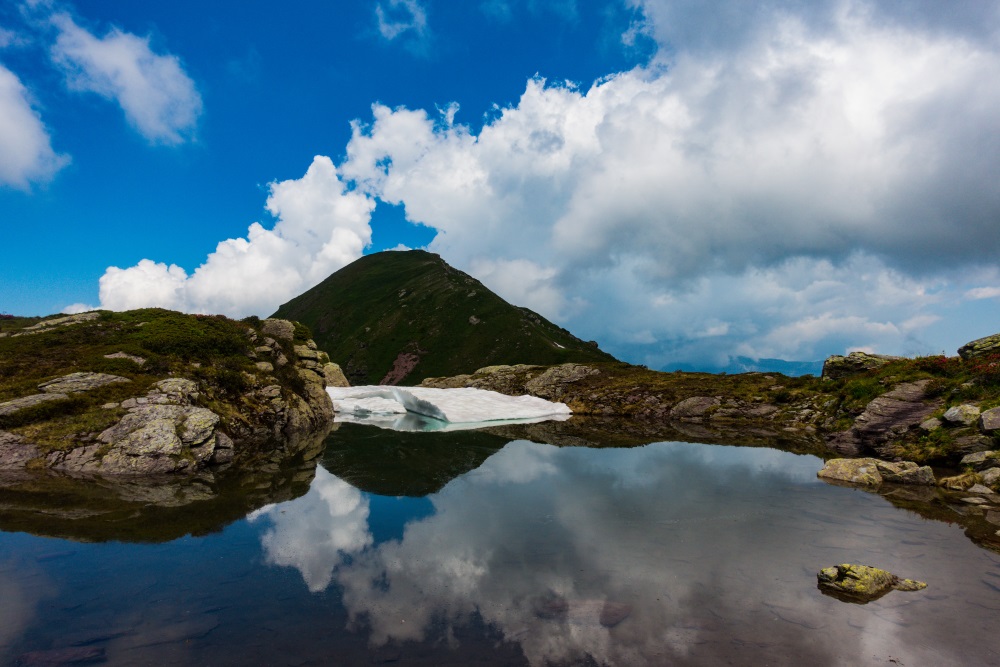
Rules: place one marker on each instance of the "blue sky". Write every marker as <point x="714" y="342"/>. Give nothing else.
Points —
<point x="680" y="182"/>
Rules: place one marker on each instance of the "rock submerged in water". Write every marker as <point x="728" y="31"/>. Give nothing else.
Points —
<point x="861" y="584"/>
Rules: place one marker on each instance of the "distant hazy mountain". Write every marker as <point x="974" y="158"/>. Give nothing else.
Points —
<point x="399" y="317"/>
<point x="748" y="365"/>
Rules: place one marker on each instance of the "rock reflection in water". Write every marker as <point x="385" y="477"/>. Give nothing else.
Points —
<point x="91" y="508"/>
<point x="703" y="554"/>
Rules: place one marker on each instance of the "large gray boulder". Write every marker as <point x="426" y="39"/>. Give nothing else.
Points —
<point x="980" y="346"/>
<point x="552" y="383"/>
<point x="964" y="414"/>
<point x="695" y="407"/>
<point x="280" y="329"/>
<point x="906" y="472"/>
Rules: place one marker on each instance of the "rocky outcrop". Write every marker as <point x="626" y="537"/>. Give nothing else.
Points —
<point x="162" y="432"/>
<point x="695" y="407"/>
<point x="18" y="404"/>
<point x="861" y="584"/>
<point x="886" y="419"/>
<point x="77" y="382"/>
<point x="280" y="329"/>
<point x="552" y="383"/>
<point x="60" y="389"/>
<point x="46" y="325"/>
<point x="873" y="472"/>
<point x="980" y="346"/>
<point x="180" y="425"/>
<point x="839" y="366"/>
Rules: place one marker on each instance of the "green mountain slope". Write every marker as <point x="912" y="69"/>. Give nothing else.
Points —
<point x="399" y="317"/>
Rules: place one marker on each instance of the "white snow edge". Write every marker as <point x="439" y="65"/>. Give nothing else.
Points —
<point x="457" y="406"/>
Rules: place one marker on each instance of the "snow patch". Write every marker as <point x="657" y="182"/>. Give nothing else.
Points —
<point x="426" y="408"/>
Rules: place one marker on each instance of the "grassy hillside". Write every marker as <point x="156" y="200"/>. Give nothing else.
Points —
<point x="399" y="317"/>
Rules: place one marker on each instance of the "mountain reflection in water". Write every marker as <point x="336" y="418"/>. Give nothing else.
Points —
<point x="496" y="552"/>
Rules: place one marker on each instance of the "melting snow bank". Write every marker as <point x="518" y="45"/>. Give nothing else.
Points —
<point x="426" y="408"/>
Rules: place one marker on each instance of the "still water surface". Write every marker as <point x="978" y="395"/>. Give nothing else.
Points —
<point x="464" y="550"/>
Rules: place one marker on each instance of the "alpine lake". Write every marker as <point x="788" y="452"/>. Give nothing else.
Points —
<point x="491" y="547"/>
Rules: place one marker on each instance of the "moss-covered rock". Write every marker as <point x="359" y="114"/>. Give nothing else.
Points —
<point x="980" y="347"/>
<point x="861" y="584"/>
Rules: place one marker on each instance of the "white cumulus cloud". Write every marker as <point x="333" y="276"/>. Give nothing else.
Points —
<point x="26" y="153"/>
<point x="321" y="227"/>
<point x="158" y="97"/>
<point x="823" y="134"/>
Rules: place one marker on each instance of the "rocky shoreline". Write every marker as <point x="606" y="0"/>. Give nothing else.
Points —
<point x="940" y="411"/>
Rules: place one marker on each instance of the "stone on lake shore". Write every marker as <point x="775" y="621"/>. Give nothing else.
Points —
<point x="873" y="472"/>
<point x="854" y="471"/>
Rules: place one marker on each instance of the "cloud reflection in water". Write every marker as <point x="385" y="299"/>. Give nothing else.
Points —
<point x="711" y="550"/>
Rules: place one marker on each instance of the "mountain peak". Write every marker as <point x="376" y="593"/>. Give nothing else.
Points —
<point x="397" y="317"/>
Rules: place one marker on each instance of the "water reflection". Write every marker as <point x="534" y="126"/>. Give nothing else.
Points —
<point x="317" y="532"/>
<point x="702" y="555"/>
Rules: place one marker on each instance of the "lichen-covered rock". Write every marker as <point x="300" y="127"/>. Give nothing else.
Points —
<point x="694" y="407"/>
<point x="839" y="366"/>
<point x="989" y="421"/>
<point x="861" y="584"/>
<point x="334" y="376"/>
<point x="280" y="329"/>
<point x="306" y="352"/>
<point x="905" y="472"/>
<point x="965" y="414"/>
<point x="18" y="404"/>
<point x="551" y="383"/>
<point x="981" y="460"/>
<point x="863" y="472"/>
<point x="980" y="346"/>
<point x="15" y="452"/>
<point x="77" y="382"/>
